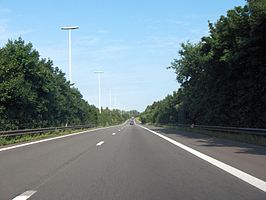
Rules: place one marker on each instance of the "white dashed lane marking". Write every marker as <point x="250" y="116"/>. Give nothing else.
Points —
<point x="100" y="143"/>
<point x="25" y="195"/>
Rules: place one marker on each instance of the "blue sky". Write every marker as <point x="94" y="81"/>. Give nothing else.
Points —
<point x="131" y="41"/>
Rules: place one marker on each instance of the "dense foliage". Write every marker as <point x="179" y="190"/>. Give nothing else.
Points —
<point x="110" y="117"/>
<point x="222" y="77"/>
<point x="33" y="93"/>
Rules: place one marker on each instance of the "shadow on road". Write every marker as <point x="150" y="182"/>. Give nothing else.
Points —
<point x="199" y="139"/>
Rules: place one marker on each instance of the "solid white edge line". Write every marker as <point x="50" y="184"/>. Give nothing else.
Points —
<point x="25" y="195"/>
<point x="99" y="143"/>
<point x="53" y="138"/>
<point x="258" y="183"/>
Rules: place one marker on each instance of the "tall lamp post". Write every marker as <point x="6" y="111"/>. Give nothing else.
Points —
<point x="99" y="82"/>
<point x="110" y="99"/>
<point x="69" y="28"/>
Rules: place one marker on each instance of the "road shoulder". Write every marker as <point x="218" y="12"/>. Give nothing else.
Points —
<point x="246" y="157"/>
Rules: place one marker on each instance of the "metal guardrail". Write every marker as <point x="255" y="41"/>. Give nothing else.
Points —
<point x="251" y="131"/>
<point x="41" y="130"/>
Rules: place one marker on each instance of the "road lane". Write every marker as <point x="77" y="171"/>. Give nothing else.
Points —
<point x="247" y="157"/>
<point x="26" y="167"/>
<point x="254" y="181"/>
<point x="132" y="165"/>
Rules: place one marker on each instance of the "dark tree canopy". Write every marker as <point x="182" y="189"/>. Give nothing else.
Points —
<point x="223" y="76"/>
<point x="33" y="93"/>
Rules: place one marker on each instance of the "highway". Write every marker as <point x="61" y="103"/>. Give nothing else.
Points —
<point x="127" y="162"/>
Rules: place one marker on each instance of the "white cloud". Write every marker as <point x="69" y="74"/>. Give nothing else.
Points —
<point x="182" y="23"/>
<point x="104" y="31"/>
<point x="199" y="16"/>
<point x="57" y="53"/>
<point x="4" y="10"/>
<point x="96" y="50"/>
<point x="6" y="33"/>
<point x="8" y="11"/>
<point x="88" y="40"/>
<point x="159" y="42"/>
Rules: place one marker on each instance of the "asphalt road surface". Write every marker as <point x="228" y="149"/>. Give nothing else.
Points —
<point x="121" y="162"/>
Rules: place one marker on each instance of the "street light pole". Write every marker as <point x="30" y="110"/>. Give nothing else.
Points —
<point x="69" y="28"/>
<point x="115" y="103"/>
<point x="99" y="82"/>
<point x="110" y="99"/>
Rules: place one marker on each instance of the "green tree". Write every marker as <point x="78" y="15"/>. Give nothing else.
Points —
<point x="222" y="77"/>
<point x="35" y="94"/>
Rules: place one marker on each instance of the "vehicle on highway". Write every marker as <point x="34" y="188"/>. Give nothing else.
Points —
<point x="131" y="122"/>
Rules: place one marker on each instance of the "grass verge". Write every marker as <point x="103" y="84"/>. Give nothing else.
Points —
<point x="33" y="137"/>
<point x="8" y="140"/>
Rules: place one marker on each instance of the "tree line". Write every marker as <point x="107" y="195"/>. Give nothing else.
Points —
<point x="222" y="77"/>
<point x="34" y="93"/>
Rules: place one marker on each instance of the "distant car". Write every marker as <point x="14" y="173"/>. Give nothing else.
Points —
<point x="131" y="122"/>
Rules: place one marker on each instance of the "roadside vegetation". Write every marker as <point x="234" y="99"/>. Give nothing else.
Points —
<point x="7" y="140"/>
<point x="35" y="94"/>
<point x="222" y="77"/>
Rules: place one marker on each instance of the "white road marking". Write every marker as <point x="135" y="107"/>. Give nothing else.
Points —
<point x="258" y="183"/>
<point x="53" y="138"/>
<point x="25" y="195"/>
<point x="125" y="122"/>
<point x="100" y="143"/>
<point x="113" y="133"/>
